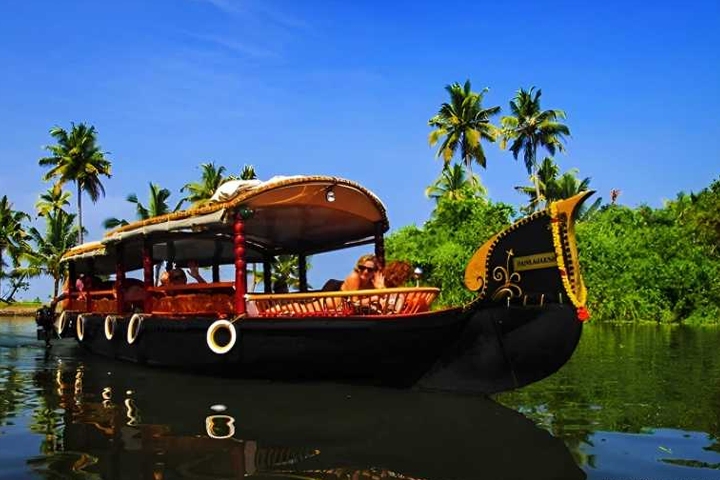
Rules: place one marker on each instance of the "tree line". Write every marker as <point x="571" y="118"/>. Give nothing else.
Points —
<point x="77" y="159"/>
<point x="639" y="264"/>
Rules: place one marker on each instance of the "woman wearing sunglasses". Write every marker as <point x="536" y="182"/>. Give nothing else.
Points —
<point x="366" y="275"/>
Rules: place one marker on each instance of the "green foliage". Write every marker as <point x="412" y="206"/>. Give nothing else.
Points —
<point x="651" y="264"/>
<point x="552" y="187"/>
<point x="444" y="245"/>
<point x="285" y="273"/>
<point x="199" y="193"/>
<point x="464" y="124"/>
<point x="59" y="236"/>
<point x="52" y="200"/>
<point x="157" y="205"/>
<point x="639" y="264"/>
<point x="248" y="173"/>
<point x="455" y="183"/>
<point x="77" y="158"/>
<point x="13" y="245"/>
<point x="530" y="127"/>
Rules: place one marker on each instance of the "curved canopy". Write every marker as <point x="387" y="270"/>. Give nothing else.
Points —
<point x="303" y="214"/>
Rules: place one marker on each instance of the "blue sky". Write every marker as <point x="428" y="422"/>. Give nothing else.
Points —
<point x="346" y="88"/>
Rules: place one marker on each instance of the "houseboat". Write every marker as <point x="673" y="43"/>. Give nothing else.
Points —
<point x="523" y="325"/>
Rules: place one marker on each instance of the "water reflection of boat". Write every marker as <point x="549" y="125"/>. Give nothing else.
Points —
<point x="123" y="423"/>
<point x="524" y="325"/>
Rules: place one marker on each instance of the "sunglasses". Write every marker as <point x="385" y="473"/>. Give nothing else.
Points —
<point x="363" y="268"/>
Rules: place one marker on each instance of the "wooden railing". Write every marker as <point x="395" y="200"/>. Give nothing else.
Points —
<point x="217" y="299"/>
<point x="194" y="287"/>
<point x="388" y="301"/>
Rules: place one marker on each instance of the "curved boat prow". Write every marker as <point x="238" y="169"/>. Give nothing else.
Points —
<point x="527" y="319"/>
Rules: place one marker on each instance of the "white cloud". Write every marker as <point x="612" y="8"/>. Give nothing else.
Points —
<point x="235" y="46"/>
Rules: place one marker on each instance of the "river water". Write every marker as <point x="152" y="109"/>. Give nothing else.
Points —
<point x="635" y="402"/>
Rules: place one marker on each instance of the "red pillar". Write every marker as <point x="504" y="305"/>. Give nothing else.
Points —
<point x="120" y="279"/>
<point x="240" y="265"/>
<point x="147" y="275"/>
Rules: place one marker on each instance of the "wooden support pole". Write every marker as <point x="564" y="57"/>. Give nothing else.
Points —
<point x="302" y="266"/>
<point x="216" y="262"/>
<point x="72" y="276"/>
<point x="170" y="259"/>
<point x="267" y="275"/>
<point x="120" y="279"/>
<point x="148" y="281"/>
<point x="240" y="265"/>
<point x="379" y="245"/>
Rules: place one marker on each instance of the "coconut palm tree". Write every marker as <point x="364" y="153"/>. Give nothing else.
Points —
<point x="529" y="127"/>
<point x="157" y="205"/>
<point x="55" y="199"/>
<point x="285" y="272"/>
<point x="569" y="185"/>
<point x="60" y="235"/>
<point x="554" y="188"/>
<point x="77" y="158"/>
<point x="248" y="173"/>
<point x="542" y="179"/>
<point x="13" y="239"/>
<point x="201" y="192"/>
<point x="464" y="124"/>
<point x="454" y="183"/>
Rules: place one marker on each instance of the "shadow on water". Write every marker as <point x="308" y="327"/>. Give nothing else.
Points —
<point x="67" y="415"/>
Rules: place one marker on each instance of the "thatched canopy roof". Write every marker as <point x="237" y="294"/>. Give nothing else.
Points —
<point x="302" y="214"/>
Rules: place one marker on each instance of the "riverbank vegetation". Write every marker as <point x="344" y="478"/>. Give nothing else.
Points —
<point x="639" y="264"/>
<point x="657" y="264"/>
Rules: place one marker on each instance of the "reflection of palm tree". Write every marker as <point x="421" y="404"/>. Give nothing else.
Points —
<point x="530" y="127"/>
<point x="77" y="158"/>
<point x="11" y="393"/>
<point x="157" y="205"/>
<point x="464" y="123"/>
<point x="454" y="184"/>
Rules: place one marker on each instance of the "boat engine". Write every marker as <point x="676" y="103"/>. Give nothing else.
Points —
<point x="44" y="321"/>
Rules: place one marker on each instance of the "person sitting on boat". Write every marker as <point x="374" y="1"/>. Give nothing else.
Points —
<point x="176" y="276"/>
<point x="84" y="283"/>
<point x="193" y="270"/>
<point x="397" y="273"/>
<point x="173" y="276"/>
<point x="365" y="276"/>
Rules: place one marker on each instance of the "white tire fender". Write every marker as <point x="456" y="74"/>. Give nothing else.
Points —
<point x="80" y="327"/>
<point x="134" y="328"/>
<point x="110" y="326"/>
<point x="210" y="337"/>
<point x="61" y="323"/>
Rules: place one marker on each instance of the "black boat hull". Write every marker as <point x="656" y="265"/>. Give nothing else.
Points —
<point x="487" y="350"/>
